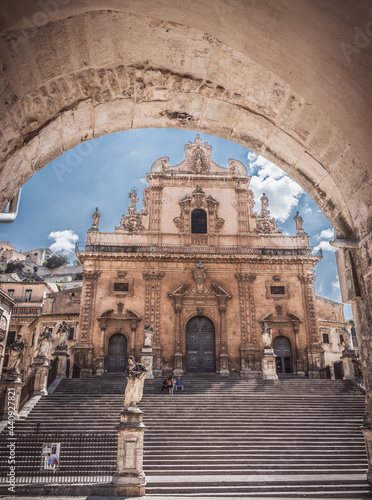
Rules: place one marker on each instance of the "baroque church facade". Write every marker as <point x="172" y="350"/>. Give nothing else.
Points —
<point x="208" y="272"/>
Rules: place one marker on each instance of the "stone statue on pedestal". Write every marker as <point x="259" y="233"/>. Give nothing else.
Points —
<point x="299" y="222"/>
<point x="95" y="224"/>
<point x="267" y="336"/>
<point x="136" y="374"/>
<point x="46" y="341"/>
<point x="15" y="355"/>
<point x="62" y="336"/>
<point x="149" y="334"/>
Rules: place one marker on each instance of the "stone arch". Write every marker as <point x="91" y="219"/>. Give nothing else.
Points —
<point x="71" y="72"/>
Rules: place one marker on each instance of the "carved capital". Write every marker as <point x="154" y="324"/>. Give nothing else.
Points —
<point x="156" y="276"/>
<point x="306" y="279"/>
<point x="91" y="275"/>
<point x="245" y="277"/>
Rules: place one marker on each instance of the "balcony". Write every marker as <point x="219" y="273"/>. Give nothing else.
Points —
<point x="196" y="249"/>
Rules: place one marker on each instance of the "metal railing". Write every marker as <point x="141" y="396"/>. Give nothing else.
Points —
<point x="200" y="249"/>
<point x="84" y="458"/>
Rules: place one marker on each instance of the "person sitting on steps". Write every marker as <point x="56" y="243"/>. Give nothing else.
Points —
<point x="179" y="384"/>
<point x="164" y="385"/>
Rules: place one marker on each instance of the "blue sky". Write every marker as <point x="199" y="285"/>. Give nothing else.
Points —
<point x="61" y="198"/>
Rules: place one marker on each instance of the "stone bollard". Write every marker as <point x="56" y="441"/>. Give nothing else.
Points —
<point x="268" y="364"/>
<point x="347" y="358"/>
<point x="41" y="365"/>
<point x="129" y="479"/>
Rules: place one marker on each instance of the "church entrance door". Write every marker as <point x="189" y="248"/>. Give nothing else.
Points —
<point x="200" y="345"/>
<point x="117" y="353"/>
<point x="283" y="351"/>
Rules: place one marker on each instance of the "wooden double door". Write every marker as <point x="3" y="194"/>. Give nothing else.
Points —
<point x="117" y="353"/>
<point x="200" y="345"/>
<point x="283" y="351"/>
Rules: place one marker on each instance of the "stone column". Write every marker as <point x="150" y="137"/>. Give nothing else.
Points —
<point x="133" y="330"/>
<point x="224" y="357"/>
<point x="129" y="479"/>
<point x="85" y="346"/>
<point x="315" y="352"/>
<point x="268" y="364"/>
<point x="299" y="368"/>
<point x="100" y="360"/>
<point x="42" y="367"/>
<point x="248" y="347"/>
<point x="348" y="357"/>
<point x="178" y="371"/>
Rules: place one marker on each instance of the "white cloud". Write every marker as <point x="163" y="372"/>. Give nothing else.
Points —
<point x="143" y="180"/>
<point x="326" y="234"/>
<point x="308" y="210"/>
<point x="282" y="191"/>
<point x="324" y="246"/>
<point x="64" y="241"/>
<point x="335" y="285"/>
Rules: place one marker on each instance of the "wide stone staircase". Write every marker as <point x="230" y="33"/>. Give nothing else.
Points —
<point x="225" y="437"/>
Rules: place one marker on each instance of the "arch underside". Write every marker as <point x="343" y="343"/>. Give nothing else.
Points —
<point x="98" y="72"/>
<point x="290" y="81"/>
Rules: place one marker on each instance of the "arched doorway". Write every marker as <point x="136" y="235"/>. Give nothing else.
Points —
<point x="117" y="353"/>
<point x="200" y="345"/>
<point x="283" y="351"/>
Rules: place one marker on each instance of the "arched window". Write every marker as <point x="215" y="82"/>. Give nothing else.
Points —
<point x="199" y="222"/>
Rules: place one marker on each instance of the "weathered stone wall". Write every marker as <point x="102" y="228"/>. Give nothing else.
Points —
<point x="249" y="72"/>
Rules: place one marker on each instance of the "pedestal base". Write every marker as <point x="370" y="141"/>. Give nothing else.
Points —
<point x="348" y="359"/>
<point x="147" y="359"/>
<point x="224" y="365"/>
<point x="12" y="398"/>
<point x="41" y="365"/>
<point x="178" y="371"/>
<point x="128" y="485"/>
<point x="129" y="479"/>
<point x="268" y="364"/>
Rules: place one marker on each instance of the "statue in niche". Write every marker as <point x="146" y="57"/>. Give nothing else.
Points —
<point x="96" y="217"/>
<point x="267" y="336"/>
<point x="120" y="308"/>
<point x="15" y="354"/>
<point x="149" y="334"/>
<point x="46" y="341"/>
<point x="299" y="222"/>
<point x="136" y="374"/>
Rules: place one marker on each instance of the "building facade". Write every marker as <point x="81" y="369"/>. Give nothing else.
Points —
<point x="205" y="270"/>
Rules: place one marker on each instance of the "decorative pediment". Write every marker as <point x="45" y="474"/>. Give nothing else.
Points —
<point x="278" y="317"/>
<point x="133" y="221"/>
<point x="266" y="225"/>
<point x="198" y="200"/>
